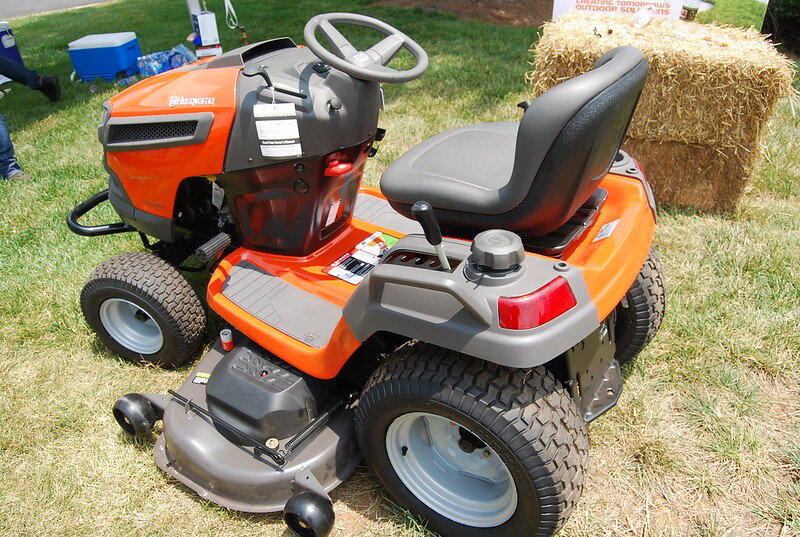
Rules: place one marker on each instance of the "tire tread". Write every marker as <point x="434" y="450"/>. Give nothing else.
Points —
<point x="146" y="275"/>
<point x="639" y="322"/>
<point x="528" y="410"/>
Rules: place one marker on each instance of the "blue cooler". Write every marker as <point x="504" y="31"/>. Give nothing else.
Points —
<point x="105" y="56"/>
<point x="8" y="45"/>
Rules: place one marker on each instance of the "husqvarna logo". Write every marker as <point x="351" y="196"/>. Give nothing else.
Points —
<point x="177" y="100"/>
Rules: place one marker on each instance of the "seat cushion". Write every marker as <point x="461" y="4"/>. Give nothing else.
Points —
<point x="463" y="169"/>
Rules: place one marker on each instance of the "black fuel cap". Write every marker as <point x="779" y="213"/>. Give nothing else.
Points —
<point x="497" y="250"/>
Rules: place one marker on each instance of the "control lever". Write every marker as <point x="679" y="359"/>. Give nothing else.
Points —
<point x="258" y="70"/>
<point x="423" y="213"/>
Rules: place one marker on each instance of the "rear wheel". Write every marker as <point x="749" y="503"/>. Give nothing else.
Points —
<point x="640" y="313"/>
<point x="144" y="309"/>
<point x="474" y="448"/>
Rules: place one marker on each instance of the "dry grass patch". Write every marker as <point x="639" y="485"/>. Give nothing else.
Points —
<point x="704" y="442"/>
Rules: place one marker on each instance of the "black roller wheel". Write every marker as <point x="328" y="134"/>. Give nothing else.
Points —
<point x="640" y="313"/>
<point x="309" y="515"/>
<point x="134" y="414"/>
<point x="476" y="449"/>
<point x="144" y="309"/>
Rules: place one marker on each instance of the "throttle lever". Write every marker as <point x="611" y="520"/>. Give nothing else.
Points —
<point x="423" y="213"/>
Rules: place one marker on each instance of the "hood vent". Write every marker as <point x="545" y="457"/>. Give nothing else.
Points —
<point x="140" y="132"/>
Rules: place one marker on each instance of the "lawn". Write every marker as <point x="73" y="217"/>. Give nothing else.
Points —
<point x="706" y="437"/>
<point x="744" y="13"/>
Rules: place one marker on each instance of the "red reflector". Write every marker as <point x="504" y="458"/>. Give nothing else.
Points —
<point x="338" y="168"/>
<point x="537" y="308"/>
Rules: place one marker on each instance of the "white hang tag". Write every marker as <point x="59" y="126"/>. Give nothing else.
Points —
<point x="277" y="129"/>
<point x="273" y="110"/>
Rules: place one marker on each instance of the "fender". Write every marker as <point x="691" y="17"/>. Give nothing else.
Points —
<point x="461" y="314"/>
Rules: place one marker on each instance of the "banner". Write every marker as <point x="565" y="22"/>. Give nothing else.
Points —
<point x="661" y="8"/>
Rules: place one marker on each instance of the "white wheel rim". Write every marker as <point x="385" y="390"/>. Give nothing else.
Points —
<point x="475" y="489"/>
<point x="131" y="326"/>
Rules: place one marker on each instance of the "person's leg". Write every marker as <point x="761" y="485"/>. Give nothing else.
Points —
<point x="9" y="167"/>
<point x="19" y="73"/>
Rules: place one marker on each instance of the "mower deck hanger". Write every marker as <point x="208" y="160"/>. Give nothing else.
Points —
<point x="457" y="327"/>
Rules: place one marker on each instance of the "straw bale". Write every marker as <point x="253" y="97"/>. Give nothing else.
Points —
<point x="698" y="176"/>
<point x="708" y="84"/>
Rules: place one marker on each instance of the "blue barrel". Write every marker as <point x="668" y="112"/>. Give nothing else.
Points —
<point x="8" y="45"/>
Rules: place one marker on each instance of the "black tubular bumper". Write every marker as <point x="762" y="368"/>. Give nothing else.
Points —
<point x="94" y="231"/>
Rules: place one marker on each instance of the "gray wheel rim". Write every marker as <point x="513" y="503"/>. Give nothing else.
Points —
<point x="131" y="326"/>
<point x="475" y="489"/>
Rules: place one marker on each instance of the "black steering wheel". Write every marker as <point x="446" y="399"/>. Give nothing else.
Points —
<point x="369" y="64"/>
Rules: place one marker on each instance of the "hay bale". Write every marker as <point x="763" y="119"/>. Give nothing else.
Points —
<point x="709" y="86"/>
<point x="684" y="175"/>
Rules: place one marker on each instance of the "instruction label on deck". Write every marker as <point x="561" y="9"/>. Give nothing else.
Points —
<point x="355" y="264"/>
<point x="277" y="129"/>
<point x="201" y="378"/>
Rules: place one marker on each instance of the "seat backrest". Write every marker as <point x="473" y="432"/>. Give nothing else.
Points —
<point x="568" y="138"/>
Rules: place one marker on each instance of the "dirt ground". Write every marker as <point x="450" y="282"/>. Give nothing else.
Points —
<point x="521" y="13"/>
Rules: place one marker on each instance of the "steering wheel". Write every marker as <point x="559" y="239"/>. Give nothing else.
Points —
<point x="369" y="64"/>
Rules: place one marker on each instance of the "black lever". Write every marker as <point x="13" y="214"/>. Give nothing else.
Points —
<point x="423" y="213"/>
<point x="525" y="104"/>
<point x="258" y="70"/>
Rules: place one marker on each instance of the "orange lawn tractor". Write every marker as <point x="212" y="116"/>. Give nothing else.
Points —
<point x="457" y="327"/>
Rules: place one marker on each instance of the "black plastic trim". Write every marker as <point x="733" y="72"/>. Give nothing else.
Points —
<point x="238" y="57"/>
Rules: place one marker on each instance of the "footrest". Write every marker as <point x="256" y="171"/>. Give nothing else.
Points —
<point x="293" y="311"/>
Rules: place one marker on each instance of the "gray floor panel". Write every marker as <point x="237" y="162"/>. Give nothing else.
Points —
<point x="291" y="310"/>
<point x="378" y="211"/>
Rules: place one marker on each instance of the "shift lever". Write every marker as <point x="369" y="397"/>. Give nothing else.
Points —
<point x="423" y="213"/>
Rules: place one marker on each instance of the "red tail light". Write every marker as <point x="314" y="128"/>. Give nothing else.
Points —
<point x="537" y="308"/>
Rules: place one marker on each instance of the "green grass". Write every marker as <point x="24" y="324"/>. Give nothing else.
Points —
<point x="704" y="440"/>
<point x="744" y="13"/>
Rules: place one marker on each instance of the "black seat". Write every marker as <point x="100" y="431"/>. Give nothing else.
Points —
<point x="529" y="177"/>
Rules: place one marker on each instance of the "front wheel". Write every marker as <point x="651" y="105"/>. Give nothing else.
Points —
<point x="474" y="448"/>
<point x="144" y="309"/>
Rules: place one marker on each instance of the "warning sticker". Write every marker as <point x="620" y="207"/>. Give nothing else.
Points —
<point x="201" y="378"/>
<point x="217" y="195"/>
<point x="606" y="230"/>
<point x="281" y="150"/>
<point x="333" y="212"/>
<point x="355" y="264"/>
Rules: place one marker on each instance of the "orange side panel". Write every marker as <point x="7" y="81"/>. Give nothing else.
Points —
<point x="610" y="265"/>
<point x="151" y="177"/>
<point x="305" y="273"/>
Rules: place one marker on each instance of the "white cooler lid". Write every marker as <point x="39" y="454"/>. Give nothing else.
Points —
<point x="102" y="40"/>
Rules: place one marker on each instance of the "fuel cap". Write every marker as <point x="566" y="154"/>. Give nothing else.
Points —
<point x="497" y="250"/>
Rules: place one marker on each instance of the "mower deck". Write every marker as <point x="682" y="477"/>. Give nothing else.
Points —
<point x="250" y="289"/>
<point x="193" y="451"/>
